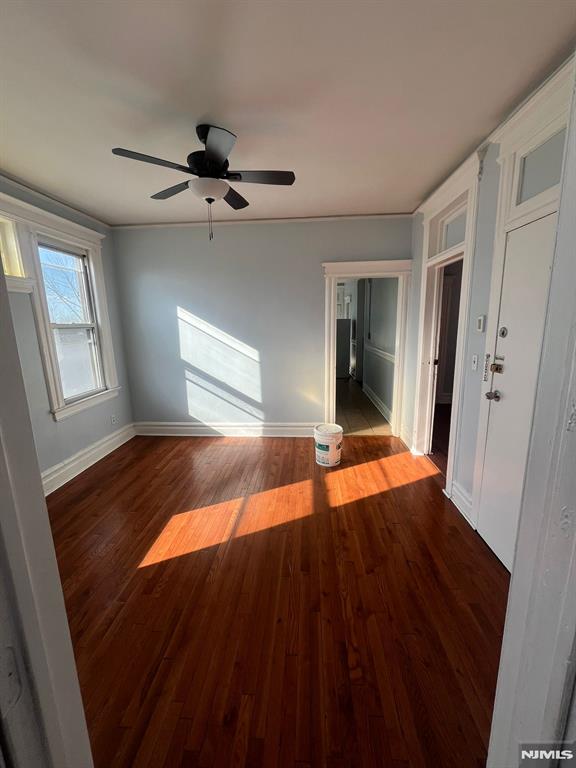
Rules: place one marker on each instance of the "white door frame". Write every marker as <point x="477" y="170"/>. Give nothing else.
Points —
<point x="358" y="270"/>
<point x="32" y="567"/>
<point x="460" y="193"/>
<point x="525" y="133"/>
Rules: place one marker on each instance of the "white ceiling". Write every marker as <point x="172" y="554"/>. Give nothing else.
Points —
<point x="370" y="103"/>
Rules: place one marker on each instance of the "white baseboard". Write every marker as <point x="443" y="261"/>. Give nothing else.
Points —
<point x="188" y="429"/>
<point x="61" y="473"/>
<point x="463" y="502"/>
<point x="380" y="404"/>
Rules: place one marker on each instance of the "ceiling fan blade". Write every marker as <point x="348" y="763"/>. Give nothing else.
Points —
<point x="171" y="191"/>
<point x="235" y="200"/>
<point x="262" y="177"/>
<point x="149" y="159"/>
<point x="219" y="143"/>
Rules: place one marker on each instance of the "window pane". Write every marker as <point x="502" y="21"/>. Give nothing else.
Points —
<point x="455" y="231"/>
<point x="65" y="285"/>
<point x="542" y="168"/>
<point x="78" y="361"/>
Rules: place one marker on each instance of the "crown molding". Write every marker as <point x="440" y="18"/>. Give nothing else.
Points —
<point x="287" y="220"/>
<point x="27" y="213"/>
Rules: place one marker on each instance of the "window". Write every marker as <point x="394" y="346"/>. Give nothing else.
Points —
<point x="71" y="312"/>
<point x="541" y="168"/>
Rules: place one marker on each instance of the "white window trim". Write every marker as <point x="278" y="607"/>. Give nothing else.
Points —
<point x="443" y="229"/>
<point x="31" y="226"/>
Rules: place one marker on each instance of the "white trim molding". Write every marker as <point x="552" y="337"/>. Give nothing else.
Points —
<point x="48" y="222"/>
<point x="20" y="284"/>
<point x="379" y="352"/>
<point x="70" y="409"/>
<point x="360" y="269"/>
<point x="32" y="226"/>
<point x="338" y="270"/>
<point x="377" y="402"/>
<point x="459" y="194"/>
<point x="218" y="428"/>
<point x="462" y="500"/>
<point x="61" y="473"/>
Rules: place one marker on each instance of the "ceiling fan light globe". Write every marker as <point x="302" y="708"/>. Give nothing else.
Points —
<point x="205" y="188"/>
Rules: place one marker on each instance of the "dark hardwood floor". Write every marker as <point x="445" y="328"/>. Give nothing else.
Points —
<point x="233" y="604"/>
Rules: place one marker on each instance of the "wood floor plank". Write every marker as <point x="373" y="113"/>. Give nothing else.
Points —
<point x="233" y="604"/>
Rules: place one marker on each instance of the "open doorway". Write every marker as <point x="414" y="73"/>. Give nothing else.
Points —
<point x="366" y="320"/>
<point x="366" y="305"/>
<point x="450" y="286"/>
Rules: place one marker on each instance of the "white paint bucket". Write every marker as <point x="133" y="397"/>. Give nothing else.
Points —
<point x="328" y="442"/>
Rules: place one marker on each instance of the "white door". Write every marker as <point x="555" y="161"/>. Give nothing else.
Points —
<point x="526" y="280"/>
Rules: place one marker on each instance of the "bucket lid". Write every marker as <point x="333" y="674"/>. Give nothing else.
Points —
<point x="328" y="429"/>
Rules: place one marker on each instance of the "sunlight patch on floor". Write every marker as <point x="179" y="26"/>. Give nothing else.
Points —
<point x="197" y="529"/>
<point x="349" y="484"/>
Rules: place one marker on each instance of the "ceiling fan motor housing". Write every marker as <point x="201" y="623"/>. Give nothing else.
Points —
<point x="199" y="163"/>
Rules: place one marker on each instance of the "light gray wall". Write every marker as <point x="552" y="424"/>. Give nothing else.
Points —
<point x="383" y="307"/>
<point x="56" y="441"/>
<point x="378" y="371"/>
<point x="479" y="300"/>
<point x="262" y="284"/>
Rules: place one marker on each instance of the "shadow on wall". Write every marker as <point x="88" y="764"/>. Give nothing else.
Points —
<point x="222" y="374"/>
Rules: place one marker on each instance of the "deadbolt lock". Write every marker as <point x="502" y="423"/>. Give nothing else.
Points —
<point x="494" y="395"/>
<point x="497" y="368"/>
<point x="503" y="332"/>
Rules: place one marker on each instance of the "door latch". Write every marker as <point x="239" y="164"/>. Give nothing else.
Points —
<point x="493" y="395"/>
<point x="497" y="368"/>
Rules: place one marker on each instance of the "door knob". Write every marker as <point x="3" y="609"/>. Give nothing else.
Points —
<point x="494" y="395"/>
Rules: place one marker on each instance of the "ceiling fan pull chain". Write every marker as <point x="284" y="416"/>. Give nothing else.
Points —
<point x="210" y="229"/>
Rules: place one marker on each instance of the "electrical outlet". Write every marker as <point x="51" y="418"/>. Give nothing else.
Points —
<point x="114" y="419"/>
<point x="474" y="362"/>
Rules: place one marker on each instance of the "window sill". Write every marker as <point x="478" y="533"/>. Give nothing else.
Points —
<point x="81" y="405"/>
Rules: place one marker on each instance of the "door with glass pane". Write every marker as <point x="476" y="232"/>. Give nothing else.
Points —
<point x="72" y="321"/>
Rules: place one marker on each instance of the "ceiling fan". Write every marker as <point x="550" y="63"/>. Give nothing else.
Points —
<point x="211" y="167"/>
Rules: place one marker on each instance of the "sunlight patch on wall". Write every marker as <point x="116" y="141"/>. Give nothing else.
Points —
<point x="210" y="403"/>
<point x="349" y="484"/>
<point x="219" y="355"/>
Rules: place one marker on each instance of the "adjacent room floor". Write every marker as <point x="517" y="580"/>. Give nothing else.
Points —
<point x="231" y="603"/>
<point x="356" y="413"/>
<point x="441" y="435"/>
